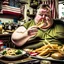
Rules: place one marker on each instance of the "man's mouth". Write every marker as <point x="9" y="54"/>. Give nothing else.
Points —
<point x="39" y="23"/>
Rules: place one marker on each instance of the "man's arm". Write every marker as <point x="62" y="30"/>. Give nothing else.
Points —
<point x="21" y="35"/>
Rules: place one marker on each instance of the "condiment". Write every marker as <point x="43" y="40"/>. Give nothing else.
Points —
<point x="1" y="45"/>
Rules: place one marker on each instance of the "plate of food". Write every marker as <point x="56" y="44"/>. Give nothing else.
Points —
<point x="12" y="53"/>
<point x="53" y="52"/>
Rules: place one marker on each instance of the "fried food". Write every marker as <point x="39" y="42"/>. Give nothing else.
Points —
<point x="44" y="52"/>
<point x="51" y="49"/>
<point x="57" y="55"/>
<point x="11" y="52"/>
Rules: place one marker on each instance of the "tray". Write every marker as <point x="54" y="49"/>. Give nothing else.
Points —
<point x="48" y="58"/>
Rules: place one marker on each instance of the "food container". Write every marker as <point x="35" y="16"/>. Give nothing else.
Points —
<point x="0" y="29"/>
<point x="1" y="45"/>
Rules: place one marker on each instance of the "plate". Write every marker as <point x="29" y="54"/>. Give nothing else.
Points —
<point x="47" y="58"/>
<point x="13" y="55"/>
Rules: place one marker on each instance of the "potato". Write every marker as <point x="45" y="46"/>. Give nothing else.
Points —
<point x="57" y="55"/>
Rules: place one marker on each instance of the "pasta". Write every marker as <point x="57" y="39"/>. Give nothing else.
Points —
<point x="11" y="52"/>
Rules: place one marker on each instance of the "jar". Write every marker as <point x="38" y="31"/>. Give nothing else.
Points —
<point x="28" y="12"/>
<point x="0" y="28"/>
<point x="1" y="45"/>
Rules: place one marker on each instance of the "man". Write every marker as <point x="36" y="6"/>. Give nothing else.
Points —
<point x="35" y="32"/>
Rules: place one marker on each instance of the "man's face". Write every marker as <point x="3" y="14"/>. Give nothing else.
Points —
<point x="43" y="14"/>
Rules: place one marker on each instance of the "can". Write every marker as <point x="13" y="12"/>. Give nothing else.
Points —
<point x="1" y="45"/>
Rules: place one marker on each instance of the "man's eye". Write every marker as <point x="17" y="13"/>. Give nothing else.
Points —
<point x="42" y="15"/>
<point x="46" y="15"/>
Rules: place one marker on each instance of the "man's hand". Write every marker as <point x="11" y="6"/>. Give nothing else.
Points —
<point x="32" y="31"/>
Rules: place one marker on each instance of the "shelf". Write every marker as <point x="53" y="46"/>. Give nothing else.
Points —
<point x="22" y="2"/>
<point x="33" y="5"/>
<point x="31" y="15"/>
<point x="11" y="16"/>
<point x="11" y="12"/>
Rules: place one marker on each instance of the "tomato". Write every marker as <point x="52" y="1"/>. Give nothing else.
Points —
<point x="33" y="53"/>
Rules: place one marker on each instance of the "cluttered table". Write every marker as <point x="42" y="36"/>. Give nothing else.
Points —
<point x="19" y="56"/>
<point x="15" y="56"/>
<point x="17" y="61"/>
<point x="32" y="57"/>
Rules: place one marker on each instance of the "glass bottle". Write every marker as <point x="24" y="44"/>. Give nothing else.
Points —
<point x="1" y="45"/>
<point x="28" y="12"/>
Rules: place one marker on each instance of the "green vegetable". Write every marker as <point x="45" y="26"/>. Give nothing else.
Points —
<point x="19" y="52"/>
<point x="4" y="52"/>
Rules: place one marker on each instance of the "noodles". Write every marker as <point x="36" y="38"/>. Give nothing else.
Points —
<point x="11" y="52"/>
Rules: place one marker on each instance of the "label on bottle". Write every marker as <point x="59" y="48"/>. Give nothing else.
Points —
<point x="1" y="45"/>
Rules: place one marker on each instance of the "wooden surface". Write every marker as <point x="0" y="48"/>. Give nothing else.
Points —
<point x="19" y="60"/>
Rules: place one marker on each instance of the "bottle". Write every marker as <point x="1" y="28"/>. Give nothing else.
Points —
<point x="0" y="27"/>
<point x="28" y="12"/>
<point x="1" y="45"/>
<point x="9" y="27"/>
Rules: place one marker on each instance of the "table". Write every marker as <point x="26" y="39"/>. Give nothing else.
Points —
<point x="27" y="60"/>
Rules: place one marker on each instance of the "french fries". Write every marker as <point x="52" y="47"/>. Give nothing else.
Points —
<point x="42" y="48"/>
<point x="49" y="49"/>
<point x="44" y="52"/>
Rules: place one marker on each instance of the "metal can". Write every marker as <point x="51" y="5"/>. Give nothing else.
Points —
<point x="1" y="45"/>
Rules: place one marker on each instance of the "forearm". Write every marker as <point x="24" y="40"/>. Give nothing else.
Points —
<point x="21" y="41"/>
<point x="19" y="35"/>
<point x="20" y="38"/>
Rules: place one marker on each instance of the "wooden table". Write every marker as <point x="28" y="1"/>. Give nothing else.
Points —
<point x="18" y="61"/>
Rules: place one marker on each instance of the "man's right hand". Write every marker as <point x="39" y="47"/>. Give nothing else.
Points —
<point x="32" y="31"/>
